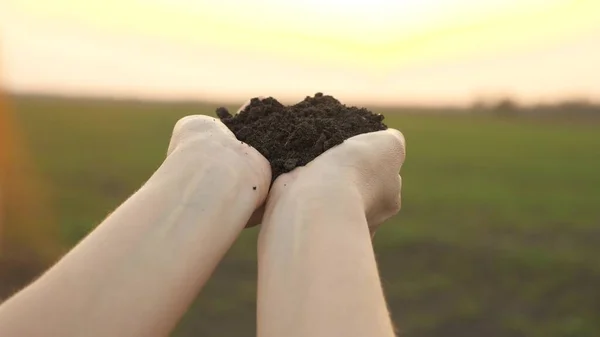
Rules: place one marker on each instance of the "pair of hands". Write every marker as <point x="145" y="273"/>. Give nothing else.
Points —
<point x="137" y="272"/>
<point x="364" y="167"/>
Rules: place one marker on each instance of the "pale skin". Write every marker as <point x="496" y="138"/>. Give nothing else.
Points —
<point x="139" y="270"/>
<point x="315" y="281"/>
<point x="317" y="269"/>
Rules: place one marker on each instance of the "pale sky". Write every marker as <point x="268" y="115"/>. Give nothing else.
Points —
<point x="376" y="51"/>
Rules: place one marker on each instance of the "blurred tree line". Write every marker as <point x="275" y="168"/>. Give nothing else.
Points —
<point x="510" y="107"/>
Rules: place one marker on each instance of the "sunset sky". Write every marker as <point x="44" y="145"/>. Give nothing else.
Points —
<point x="376" y="51"/>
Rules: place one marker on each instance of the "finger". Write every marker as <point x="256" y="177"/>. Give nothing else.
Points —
<point x="386" y="146"/>
<point x="391" y="201"/>
<point x="388" y="206"/>
<point x="399" y="143"/>
<point x="399" y="192"/>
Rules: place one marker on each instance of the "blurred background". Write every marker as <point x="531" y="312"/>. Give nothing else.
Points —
<point x="499" y="101"/>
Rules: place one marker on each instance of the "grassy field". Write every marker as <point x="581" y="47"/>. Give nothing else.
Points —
<point x="499" y="233"/>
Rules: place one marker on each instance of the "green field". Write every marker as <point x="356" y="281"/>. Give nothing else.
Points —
<point x="499" y="233"/>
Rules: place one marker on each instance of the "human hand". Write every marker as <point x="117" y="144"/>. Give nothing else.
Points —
<point x="314" y="250"/>
<point x="363" y="169"/>
<point x="207" y="139"/>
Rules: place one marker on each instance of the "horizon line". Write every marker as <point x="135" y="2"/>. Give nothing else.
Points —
<point x="490" y="100"/>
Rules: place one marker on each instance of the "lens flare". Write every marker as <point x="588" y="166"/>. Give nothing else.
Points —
<point x="27" y="231"/>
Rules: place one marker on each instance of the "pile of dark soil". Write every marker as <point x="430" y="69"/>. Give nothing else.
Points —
<point x="292" y="136"/>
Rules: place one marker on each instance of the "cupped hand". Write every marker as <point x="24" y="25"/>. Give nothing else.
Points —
<point x="207" y="139"/>
<point x="365" y="167"/>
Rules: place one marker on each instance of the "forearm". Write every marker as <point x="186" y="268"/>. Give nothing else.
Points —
<point x="317" y="270"/>
<point x="136" y="274"/>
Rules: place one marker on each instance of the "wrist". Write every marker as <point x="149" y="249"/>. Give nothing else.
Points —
<point x="323" y="185"/>
<point x="227" y="162"/>
<point x="293" y="197"/>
